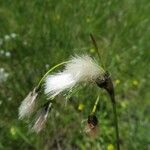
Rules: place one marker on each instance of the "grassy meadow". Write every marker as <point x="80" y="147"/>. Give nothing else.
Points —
<point x="36" y="34"/>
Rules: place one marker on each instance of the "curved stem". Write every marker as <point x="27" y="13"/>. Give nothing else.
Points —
<point x="50" y="70"/>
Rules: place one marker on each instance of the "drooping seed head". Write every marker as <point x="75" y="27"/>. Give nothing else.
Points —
<point x="41" y="118"/>
<point x="27" y="106"/>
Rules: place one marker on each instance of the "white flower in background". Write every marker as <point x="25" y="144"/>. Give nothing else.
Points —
<point x="10" y="36"/>
<point x="7" y="54"/>
<point x="28" y="104"/>
<point x="25" y="43"/>
<point x="2" y="70"/>
<point x="7" y="37"/>
<point x="41" y="118"/>
<point x="13" y="35"/>
<point x="2" y="52"/>
<point x="3" y="75"/>
<point x="78" y="69"/>
<point x="47" y="66"/>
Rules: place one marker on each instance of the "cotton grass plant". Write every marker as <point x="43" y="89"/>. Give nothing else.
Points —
<point x="78" y="70"/>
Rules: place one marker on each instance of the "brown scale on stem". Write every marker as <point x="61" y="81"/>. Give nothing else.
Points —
<point x="107" y="84"/>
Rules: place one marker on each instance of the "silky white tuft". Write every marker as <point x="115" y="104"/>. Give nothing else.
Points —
<point x="28" y="105"/>
<point x="78" y="69"/>
<point x="84" y="68"/>
<point x="55" y="84"/>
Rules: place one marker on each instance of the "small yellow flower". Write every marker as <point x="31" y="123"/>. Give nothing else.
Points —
<point x="88" y="20"/>
<point x="81" y="107"/>
<point x="117" y="81"/>
<point x="110" y="147"/>
<point x="57" y="17"/>
<point x="135" y="82"/>
<point x="124" y="104"/>
<point x="92" y="50"/>
<point x="13" y="131"/>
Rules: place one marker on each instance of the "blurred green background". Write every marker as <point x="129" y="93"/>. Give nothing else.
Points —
<point x="36" y="34"/>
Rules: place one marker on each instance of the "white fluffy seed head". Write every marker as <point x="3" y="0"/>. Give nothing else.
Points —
<point x="78" y="69"/>
<point x="57" y="83"/>
<point x="28" y="105"/>
<point x="84" y="68"/>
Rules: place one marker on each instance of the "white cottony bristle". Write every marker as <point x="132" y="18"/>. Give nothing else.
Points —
<point x="78" y="69"/>
<point x="28" y="104"/>
<point x="41" y="119"/>
<point x="57" y="83"/>
<point x="84" y="68"/>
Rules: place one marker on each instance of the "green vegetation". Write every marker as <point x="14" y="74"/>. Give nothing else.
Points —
<point x="36" y="34"/>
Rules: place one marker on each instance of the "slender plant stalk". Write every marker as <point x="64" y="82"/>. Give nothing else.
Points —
<point x="95" y="45"/>
<point x="115" y="118"/>
<point x="115" y="121"/>
<point x="112" y="99"/>
<point x="50" y="70"/>
<point x="95" y="105"/>
<point x="96" y="48"/>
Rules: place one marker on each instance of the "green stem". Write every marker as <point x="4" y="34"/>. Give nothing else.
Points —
<point x="23" y="137"/>
<point x="116" y="123"/>
<point x="50" y="70"/>
<point x="95" y="105"/>
<point x="96" y="48"/>
<point x="95" y="45"/>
